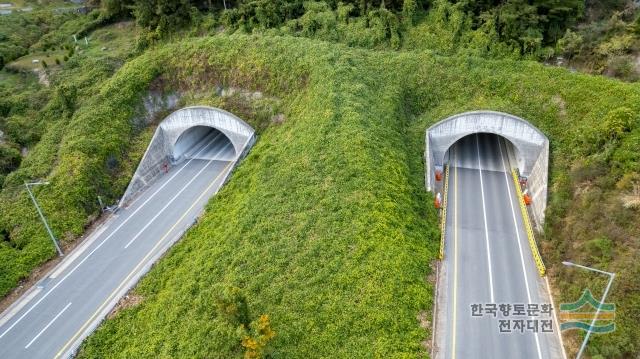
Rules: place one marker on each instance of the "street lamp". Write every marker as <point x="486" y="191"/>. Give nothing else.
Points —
<point x="606" y="291"/>
<point x="44" y="220"/>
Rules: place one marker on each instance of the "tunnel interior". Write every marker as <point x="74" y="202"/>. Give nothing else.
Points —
<point x="489" y="150"/>
<point x="203" y="142"/>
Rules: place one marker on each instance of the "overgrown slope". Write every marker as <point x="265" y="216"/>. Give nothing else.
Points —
<point x="323" y="227"/>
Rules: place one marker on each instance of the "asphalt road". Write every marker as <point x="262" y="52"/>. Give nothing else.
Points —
<point x="52" y="318"/>
<point x="488" y="262"/>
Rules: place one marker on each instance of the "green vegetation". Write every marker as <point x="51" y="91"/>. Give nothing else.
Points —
<point x="321" y="243"/>
<point x="39" y="30"/>
<point x="595" y="36"/>
<point x="342" y="222"/>
<point x="341" y="226"/>
<point x="34" y="119"/>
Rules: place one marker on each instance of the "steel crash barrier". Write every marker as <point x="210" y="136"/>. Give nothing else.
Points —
<point x="443" y="222"/>
<point x="527" y="224"/>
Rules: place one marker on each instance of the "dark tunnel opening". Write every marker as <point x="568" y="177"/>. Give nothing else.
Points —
<point x="203" y="142"/>
<point x="490" y="151"/>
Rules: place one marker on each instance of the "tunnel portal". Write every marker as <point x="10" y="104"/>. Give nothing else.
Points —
<point x="197" y="132"/>
<point x="529" y="149"/>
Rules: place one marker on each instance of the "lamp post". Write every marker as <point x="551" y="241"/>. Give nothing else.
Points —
<point x="44" y="220"/>
<point x="606" y="291"/>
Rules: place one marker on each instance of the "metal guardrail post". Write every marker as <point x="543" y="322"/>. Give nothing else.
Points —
<point x="527" y="224"/>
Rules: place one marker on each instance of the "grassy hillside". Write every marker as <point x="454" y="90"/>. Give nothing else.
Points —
<point x="48" y="124"/>
<point x="325" y="227"/>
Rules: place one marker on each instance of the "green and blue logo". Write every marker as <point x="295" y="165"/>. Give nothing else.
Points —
<point x="580" y="314"/>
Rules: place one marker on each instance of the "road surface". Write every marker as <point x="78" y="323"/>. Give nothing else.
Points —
<point x="52" y="318"/>
<point x="488" y="262"/>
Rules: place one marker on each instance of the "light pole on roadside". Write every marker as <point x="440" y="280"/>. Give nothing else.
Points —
<point x="44" y="220"/>
<point x="606" y="291"/>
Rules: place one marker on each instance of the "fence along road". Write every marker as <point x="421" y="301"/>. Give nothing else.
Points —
<point x="61" y="311"/>
<point x="488" y="261"/>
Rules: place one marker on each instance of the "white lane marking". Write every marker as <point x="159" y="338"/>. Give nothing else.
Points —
<point x="47" y="326"/>
<point x="25" y="300"/>
<point x="515" y="224"/>
<point x="143" y="266"/>
<point x="99" y="245"/>
<point x="484" y="215"/>
<point x="172" y="199"/>
<point x="76" y="253"/>
<point x="555" y="318"/>
<point x="455" y="253"/>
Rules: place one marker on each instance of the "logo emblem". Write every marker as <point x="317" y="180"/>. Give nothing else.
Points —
<point x="580" y="314"/>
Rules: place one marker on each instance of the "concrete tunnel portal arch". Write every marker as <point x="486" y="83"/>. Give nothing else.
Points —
<point x="530" y="155"/>
<point x="196" y="132"/>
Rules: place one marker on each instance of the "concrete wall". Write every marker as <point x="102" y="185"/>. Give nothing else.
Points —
<point x="162" y="149"/>
<point x="531" y="148"/>
<point x="537" y="183"/>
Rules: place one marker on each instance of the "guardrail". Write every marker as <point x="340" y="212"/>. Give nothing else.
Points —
<point x="527" y="224"/>
<point x="443" y="222"/>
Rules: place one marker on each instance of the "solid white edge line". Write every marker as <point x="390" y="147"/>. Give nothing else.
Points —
<point x="99" y="245"/>
<point x="145" y="265"/>
<point x="23" y="302"/>
<point x="455" y="255"/>
<point x="555" y="317"/>
<point x="515" y="224"/>
<point x="435" y="312"/>
<point x="484" y="215"/>
<point x="47" y="326"/>
<point x="78" y="252"/>
<point x="174" y="198"/>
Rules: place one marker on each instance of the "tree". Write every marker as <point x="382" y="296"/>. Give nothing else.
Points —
<point x="116" y="8"/>
<point x="570" y="43"/>
<point x="408" y="11"/>
<point x="9" y="159"/>
<point x="161" y="15"/>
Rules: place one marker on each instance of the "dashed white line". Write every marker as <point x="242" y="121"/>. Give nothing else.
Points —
<point x="173" y="199"/>
<point x="101" y="243"/>
<point x="484" y="215"/>
<point x="515" y="223"/>
<point x="47" y="326"/>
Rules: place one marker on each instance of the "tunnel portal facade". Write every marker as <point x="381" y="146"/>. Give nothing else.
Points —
<point x="186" y="134"/>
<point x="531" y="148"/>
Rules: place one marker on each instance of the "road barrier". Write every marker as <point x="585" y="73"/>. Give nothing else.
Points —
<point x="443" y="222"/>
<point x="527" y="224"/>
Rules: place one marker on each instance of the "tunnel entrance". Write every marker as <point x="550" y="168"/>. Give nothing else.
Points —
<point x="196" y="132"/>
<point x="527" y="148"/>
<point x="203" y="142"/>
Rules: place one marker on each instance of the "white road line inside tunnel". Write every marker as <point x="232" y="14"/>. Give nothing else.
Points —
<point x="47" y="326"/>
<point x="455" y="254"/>
<point x="101" y="243"/>
<point x="515" y="224"/>
<point x="484" y="216"/>
<point x="173" y="199"/>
